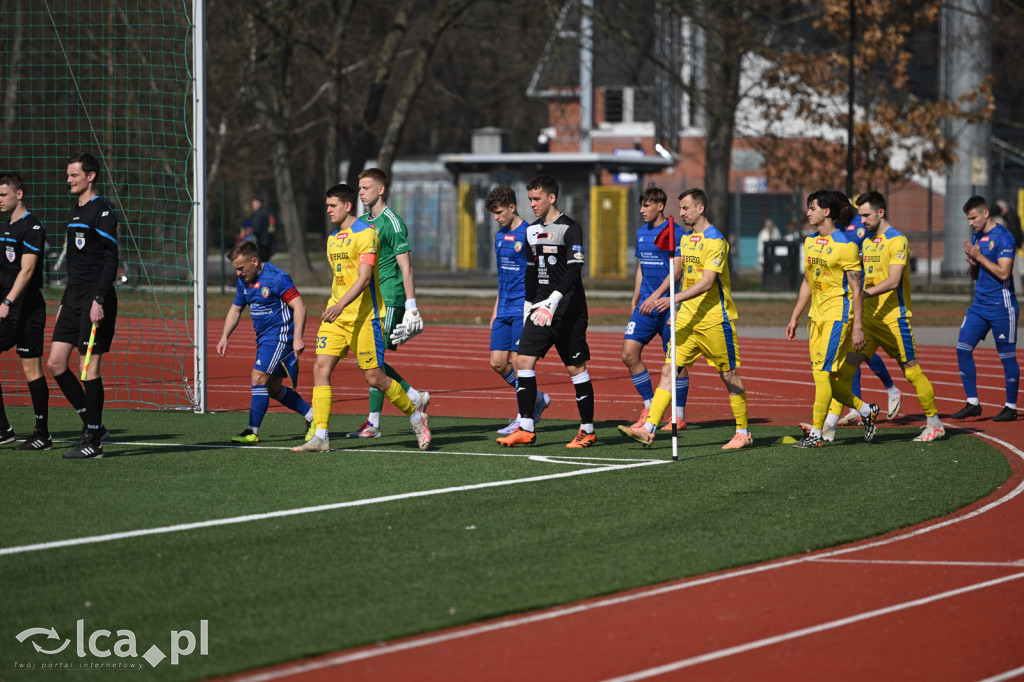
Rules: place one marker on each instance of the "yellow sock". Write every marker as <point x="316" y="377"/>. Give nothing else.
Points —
<point x="822" y="397"/>
<point x="842" y="387"/>
<point x="835" y="407"/>
<point x="396" y="394"/>
<point x="322" y="397"/>
<point x="739" y="409"/>
<point x="925" y="392"/>
<point x="658" y="406"/>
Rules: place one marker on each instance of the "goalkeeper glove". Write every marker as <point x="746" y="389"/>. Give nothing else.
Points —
<point x="527" y="306"/>
<point x="544" y="312"/>
<point x="400" y="335"/>
<point x="413" y="322"/>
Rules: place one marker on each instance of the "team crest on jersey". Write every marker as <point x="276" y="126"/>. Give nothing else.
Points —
<point x="860" y="233"/>
<point x="10" y="254"/>
<point x="265" y="292"/>
<point x="828" y="251"/>
<point x="80" y="240"/>
<point x="991" y="245"/>
<point x="517" y="247"/>
<point x="552" y="260"/>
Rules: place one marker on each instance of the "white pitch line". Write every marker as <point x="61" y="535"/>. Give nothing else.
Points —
<point x="1008" y="675"/>
<point x="94" y="539"/>
<point x="907" y="562"/>
<point x="643" y="593"/>
<point x="808" y="631"/>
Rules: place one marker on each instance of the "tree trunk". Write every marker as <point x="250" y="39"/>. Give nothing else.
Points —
<point x="284" y="185"/>
<point x="721" y="100"/>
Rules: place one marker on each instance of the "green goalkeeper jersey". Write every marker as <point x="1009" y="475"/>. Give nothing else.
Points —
<point x="394" y="239"/>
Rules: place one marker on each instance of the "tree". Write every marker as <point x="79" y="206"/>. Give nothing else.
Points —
<point x="896" y="133"/>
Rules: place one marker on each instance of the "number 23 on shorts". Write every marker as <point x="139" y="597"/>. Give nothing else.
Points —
<point x="321" y="342"/>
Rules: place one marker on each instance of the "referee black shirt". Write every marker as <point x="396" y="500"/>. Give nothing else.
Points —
<point x="92" y="246"/>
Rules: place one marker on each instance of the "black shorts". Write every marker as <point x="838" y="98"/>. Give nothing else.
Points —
<point x="568" y="334"/>
<point x="24" y="325"/>
<point x="74" y="324"/>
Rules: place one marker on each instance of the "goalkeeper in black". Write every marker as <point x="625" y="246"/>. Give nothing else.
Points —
<point x="555" y="312"/>
<point x="90" y="299"/>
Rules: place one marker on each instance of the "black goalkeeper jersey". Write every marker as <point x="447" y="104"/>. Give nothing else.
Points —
<point x="25" y="235"/>
<point x="92" y="246"/>
<point x="556" y="262"/>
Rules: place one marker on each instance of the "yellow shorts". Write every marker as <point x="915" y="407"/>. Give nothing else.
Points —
<point x="831" y="340"/>
<point x="366" y="340"/>
<point x="896" y="338"/>
<point x="717" y="344"/>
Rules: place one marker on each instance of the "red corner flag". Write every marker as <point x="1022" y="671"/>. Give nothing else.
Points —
<point x="666" y="239"/>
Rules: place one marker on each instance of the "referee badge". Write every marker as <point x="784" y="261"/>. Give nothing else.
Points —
<point x="10" y="254"/>
<point x="265" y="292"/>
<point x="80" y="240"/>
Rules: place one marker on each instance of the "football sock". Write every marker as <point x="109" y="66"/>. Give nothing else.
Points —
<point x="841" y="387"/>
<point x="526" y="394"/>
<point x="40" y="392"/>
<point x="511" y="378"/>
<point x="397" y="396"/>
<point x="292" y="400"/>
<point x="738" y="403"/>
<point x="822" y="397"/>
<point x="642" y="384"/>
<point x="682" y="389"/>
<point x="584" y="396"/>
<point x="94" y="395"/>
<point x="854" y="385"/>
<point x="3" y="413"/>
<point x="877" y="365"/>
<point x="968" y="372"/>
<point x="258" y="406"/>
<point x="72" y="390"/>
<point x="925" y="392"/>
<point x="659" y="404"/>
<point x="322" y="396"/>
<point x="1011" y="370"/>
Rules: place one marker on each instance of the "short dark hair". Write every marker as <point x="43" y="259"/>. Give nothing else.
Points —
<point x="343" y="192"/>
<point x="699" y="197"/>
<point x="654" y="195"/>
<point x="13" y="180"/>
<point x="840" y="211"/>
<point x="543" y="182"/>
<point x="975" y="202"/>
<point x="375" y="174"/>
<point x="89" y="163"/>
<point x="875" y="199"/>
<point x="500" y="197"/>
<point x="245" y="249"/>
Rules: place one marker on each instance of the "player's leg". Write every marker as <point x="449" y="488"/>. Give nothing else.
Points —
<point x="64" y="339"/>
<point x="288" y="366"/>
<point x="503" y="347"/>
<point x="571" y="344"/>
<point x="722" y="349"/>
<point x="95" y="395"/>
<point x="877" y="365"/>
<point x="639" y="331"/>
<point x="259" y="403"/>
<point x="368" y="345"/>
<point x="32" y="324"/>
<point x="332" y="344"/>
<point x="8" y="340"/>
<point x="533" y="345"/>
<point x="687" y="352"/>
<point x="1007" y="350"/>
<point x="682" y="377"/>
<point x="972" y="330"/>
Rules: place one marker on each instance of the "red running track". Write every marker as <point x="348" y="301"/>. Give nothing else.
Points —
<point x="943" y="600"/>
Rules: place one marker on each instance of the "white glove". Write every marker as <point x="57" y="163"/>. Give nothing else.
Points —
<point x="544" y="312"/>
<point x="413" y="322"/>
<point x="400" y="335"/>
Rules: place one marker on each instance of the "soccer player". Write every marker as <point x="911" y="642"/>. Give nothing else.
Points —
<point x="856" y="232"/>
<point x="833" y="286"/>
<point x="279" y="318"/>
<point x="402" y="319"/>
<point x="556" y="312"/>
<point x="352" y="321"/>
<point x="507" y="318"/>
<point x="648" y="320"/>
<point x="989" y="254"/>
<point x="89" y="300"/>
<point x="885" y="253"/>
<point x="23" y="310"/>
<point x="706" y="323"/>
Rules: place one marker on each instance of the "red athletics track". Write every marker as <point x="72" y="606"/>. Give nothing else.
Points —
<point x="943" y="600"/>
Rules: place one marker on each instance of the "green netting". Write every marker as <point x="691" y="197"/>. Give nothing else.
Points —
<point x="109" y="78"/>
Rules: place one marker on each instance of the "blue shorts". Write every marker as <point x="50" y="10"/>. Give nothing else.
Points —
<point x="643" y="328"/>
<point x="978" y="321"/>
<point x="505" y="333"/>
<point x="277" y="359"/>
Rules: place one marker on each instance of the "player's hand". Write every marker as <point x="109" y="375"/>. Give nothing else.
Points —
<point x="331" y="314"/>
<point x="298" y="345"/>
<point x="222" y="347"/>
<point x="400" y="335"/>
<point x="96" y="313"/>
<point x="543" y="313"/>
<point x="4" y="311"/>
<point x="791" y="330"/>
<point x="858" y="338"/>
<point x="413" y="322"/>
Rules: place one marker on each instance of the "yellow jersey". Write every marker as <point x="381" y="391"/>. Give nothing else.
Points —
<point x="826" y="263"/>
<point x="879" y="252"/>
<point x="700" y="251"/>
<point x="346" y="250"/>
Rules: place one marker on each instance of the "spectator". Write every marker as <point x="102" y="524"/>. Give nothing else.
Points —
<point x="1011" y="221"/>
<point x="260" y="220"/>
<point x="769" y="233"/>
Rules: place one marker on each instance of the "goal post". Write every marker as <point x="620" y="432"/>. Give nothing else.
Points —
<point x="121" y="81"/>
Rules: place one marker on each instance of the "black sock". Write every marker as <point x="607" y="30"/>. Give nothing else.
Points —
<point x="526" y="396"/>
<point x="585" y="401"/>
<point x="40" y="392"/>
<point x="94" y="406"/>
<point x="4" y="424"/>
<point x="72" y="390"/>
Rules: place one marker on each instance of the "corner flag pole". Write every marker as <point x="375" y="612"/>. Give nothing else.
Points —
<point x="672" y="331"/>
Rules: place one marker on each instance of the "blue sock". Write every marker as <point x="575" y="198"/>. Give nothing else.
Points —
<point x="877" y="366"/>
<point x="682" y="388"/>
<point x="292" y="400"/>
<point x="1011" y="370"/>
<point x="512" y="379"/>
<point x="968" y="372"/>
<point x="855" y="386"/>
<point x="642" y="383"/>
<point x="258" y="406"/>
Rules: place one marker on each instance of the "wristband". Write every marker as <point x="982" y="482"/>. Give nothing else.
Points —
<point x="410" y="304"/>
<point x="7" y="302"/>
<point x="100" y="299"/>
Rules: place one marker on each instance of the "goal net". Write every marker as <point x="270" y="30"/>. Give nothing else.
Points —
<point x="112" y="78"/>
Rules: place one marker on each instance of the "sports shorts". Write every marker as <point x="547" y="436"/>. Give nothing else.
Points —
<point x="830" y="341"/>
<point x="979" y="320"/>
<point x="365" y="340"/>
<point x="74" y="325"/>
<point x="506" y="332"/>
<point x="278" y="359"/>
<point x="896" y="338"/>
<point x="567" y="333"/>
<point x="717" y="344"/>
<point x="642" y="328"/>
<point x="24" y="326"/>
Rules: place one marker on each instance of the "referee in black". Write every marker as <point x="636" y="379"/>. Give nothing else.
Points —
<point x="90" y="299"/>
<point x="23" y="309"/>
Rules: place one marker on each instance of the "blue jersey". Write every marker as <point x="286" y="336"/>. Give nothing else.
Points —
<point x="510" y="248"/>
<point x="990" y="292"/>
<point x="856" y="232"/>
<point x="267" y="299"/>
<point x="653" y="260"/>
